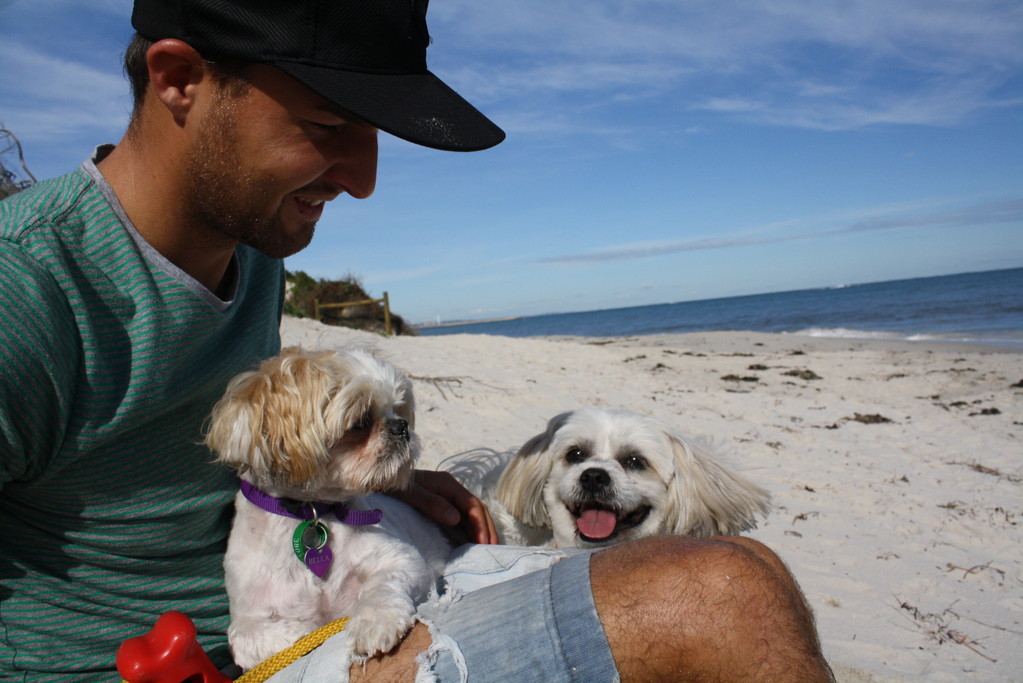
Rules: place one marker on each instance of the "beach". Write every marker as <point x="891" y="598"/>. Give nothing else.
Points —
<point x="896" y="468"/>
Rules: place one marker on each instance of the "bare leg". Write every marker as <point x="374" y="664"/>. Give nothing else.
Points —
<point x="681" y="609"/>
<point x="397" y="665"/>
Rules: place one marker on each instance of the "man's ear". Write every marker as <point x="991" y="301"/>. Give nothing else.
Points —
<point x="175" y="70"/>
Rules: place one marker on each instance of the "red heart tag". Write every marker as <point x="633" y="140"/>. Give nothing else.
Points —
<point x="318" y="560"/>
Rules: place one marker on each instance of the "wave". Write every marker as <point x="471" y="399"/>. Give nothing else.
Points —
<point x="847" y="333"/>
<point x="1003" y="339"/>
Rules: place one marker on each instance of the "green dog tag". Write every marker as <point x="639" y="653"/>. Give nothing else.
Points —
<point x="309" y="535"/>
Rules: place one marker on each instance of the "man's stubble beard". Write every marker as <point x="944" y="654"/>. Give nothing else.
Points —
<point x="225" y="198"/>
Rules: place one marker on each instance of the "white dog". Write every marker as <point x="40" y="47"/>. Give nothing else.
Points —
<point x="311" y="433"/>
<point x="598" y="477"/>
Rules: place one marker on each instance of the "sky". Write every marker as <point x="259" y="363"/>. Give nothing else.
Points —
<point x="657" y="150"/>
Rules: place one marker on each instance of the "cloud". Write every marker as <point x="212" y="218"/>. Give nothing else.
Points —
<point x="988" y="213"/>
<point x="985" y="213"/>
<point x="795" y="63"/>
<point x="648" y="249"/>
<point x="799" y="63"/>
<point x="927" y="100"/>
<point x="47" y="97"/>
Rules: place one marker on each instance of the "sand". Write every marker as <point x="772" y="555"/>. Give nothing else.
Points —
<point x="896" y="468"/>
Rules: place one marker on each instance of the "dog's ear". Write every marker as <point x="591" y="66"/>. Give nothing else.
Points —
<point x="520" y="488"/>
<point x="271" y="422"/>
<point x="705" y="498"/>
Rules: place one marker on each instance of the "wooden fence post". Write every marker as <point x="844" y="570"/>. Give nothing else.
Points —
<point x="386" y="301"/>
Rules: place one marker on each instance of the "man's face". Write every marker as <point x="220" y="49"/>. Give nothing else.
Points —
<point x="263" y="162"/>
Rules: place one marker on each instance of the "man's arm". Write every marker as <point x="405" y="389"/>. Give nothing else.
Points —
<point x="38" y="354"/>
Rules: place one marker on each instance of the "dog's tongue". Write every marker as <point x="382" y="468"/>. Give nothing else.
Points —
<point x="596" y="523"/>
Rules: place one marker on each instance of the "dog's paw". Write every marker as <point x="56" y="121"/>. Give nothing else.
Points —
<point x="251" y="646"/>
<point x="373" y="630"/>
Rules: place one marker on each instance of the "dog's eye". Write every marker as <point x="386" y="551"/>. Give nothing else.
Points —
<point x="634" y="462"/>
<point x="363" y="425"/>
<point x="575" y="455"/>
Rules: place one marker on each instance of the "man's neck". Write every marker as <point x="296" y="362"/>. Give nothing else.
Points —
<point x="148" y="182"/>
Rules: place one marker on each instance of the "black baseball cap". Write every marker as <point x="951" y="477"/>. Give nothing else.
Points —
<point x="367" y="57"/>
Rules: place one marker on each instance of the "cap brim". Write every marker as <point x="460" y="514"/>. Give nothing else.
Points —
<point x="418" y="107"/>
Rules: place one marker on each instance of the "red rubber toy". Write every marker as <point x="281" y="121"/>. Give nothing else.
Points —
<point x="169" y="653"/>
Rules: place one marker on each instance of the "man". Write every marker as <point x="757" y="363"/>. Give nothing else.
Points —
<point x="134" y="288"/>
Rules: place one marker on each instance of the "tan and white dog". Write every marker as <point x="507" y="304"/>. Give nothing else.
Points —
<point x="598" y="477"/>
<point x="312" y="434"/>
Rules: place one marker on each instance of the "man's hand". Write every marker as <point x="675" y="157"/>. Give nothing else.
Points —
<point x="440" y="496"/>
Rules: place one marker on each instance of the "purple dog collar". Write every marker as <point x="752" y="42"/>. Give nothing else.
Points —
<point x="309" y="510"/>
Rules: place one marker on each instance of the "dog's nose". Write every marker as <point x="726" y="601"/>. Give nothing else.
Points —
<point x="398" y="428"/>
<point x="594" y="479"/>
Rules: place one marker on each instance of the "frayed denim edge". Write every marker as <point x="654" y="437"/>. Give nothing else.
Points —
<point x="439" y="643"/>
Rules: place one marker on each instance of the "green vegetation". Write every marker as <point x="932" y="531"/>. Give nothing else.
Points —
<point x="304" y="294"/>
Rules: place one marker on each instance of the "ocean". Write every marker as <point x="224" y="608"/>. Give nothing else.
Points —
<point x="985" y="308"/>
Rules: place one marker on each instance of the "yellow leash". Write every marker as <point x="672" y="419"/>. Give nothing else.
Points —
<point x="302" y="647"/>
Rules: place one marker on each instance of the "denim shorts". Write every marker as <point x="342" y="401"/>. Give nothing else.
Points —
<point x="503" y="613"/>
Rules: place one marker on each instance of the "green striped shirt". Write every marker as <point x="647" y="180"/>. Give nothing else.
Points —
<point x="111" y="509"/>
